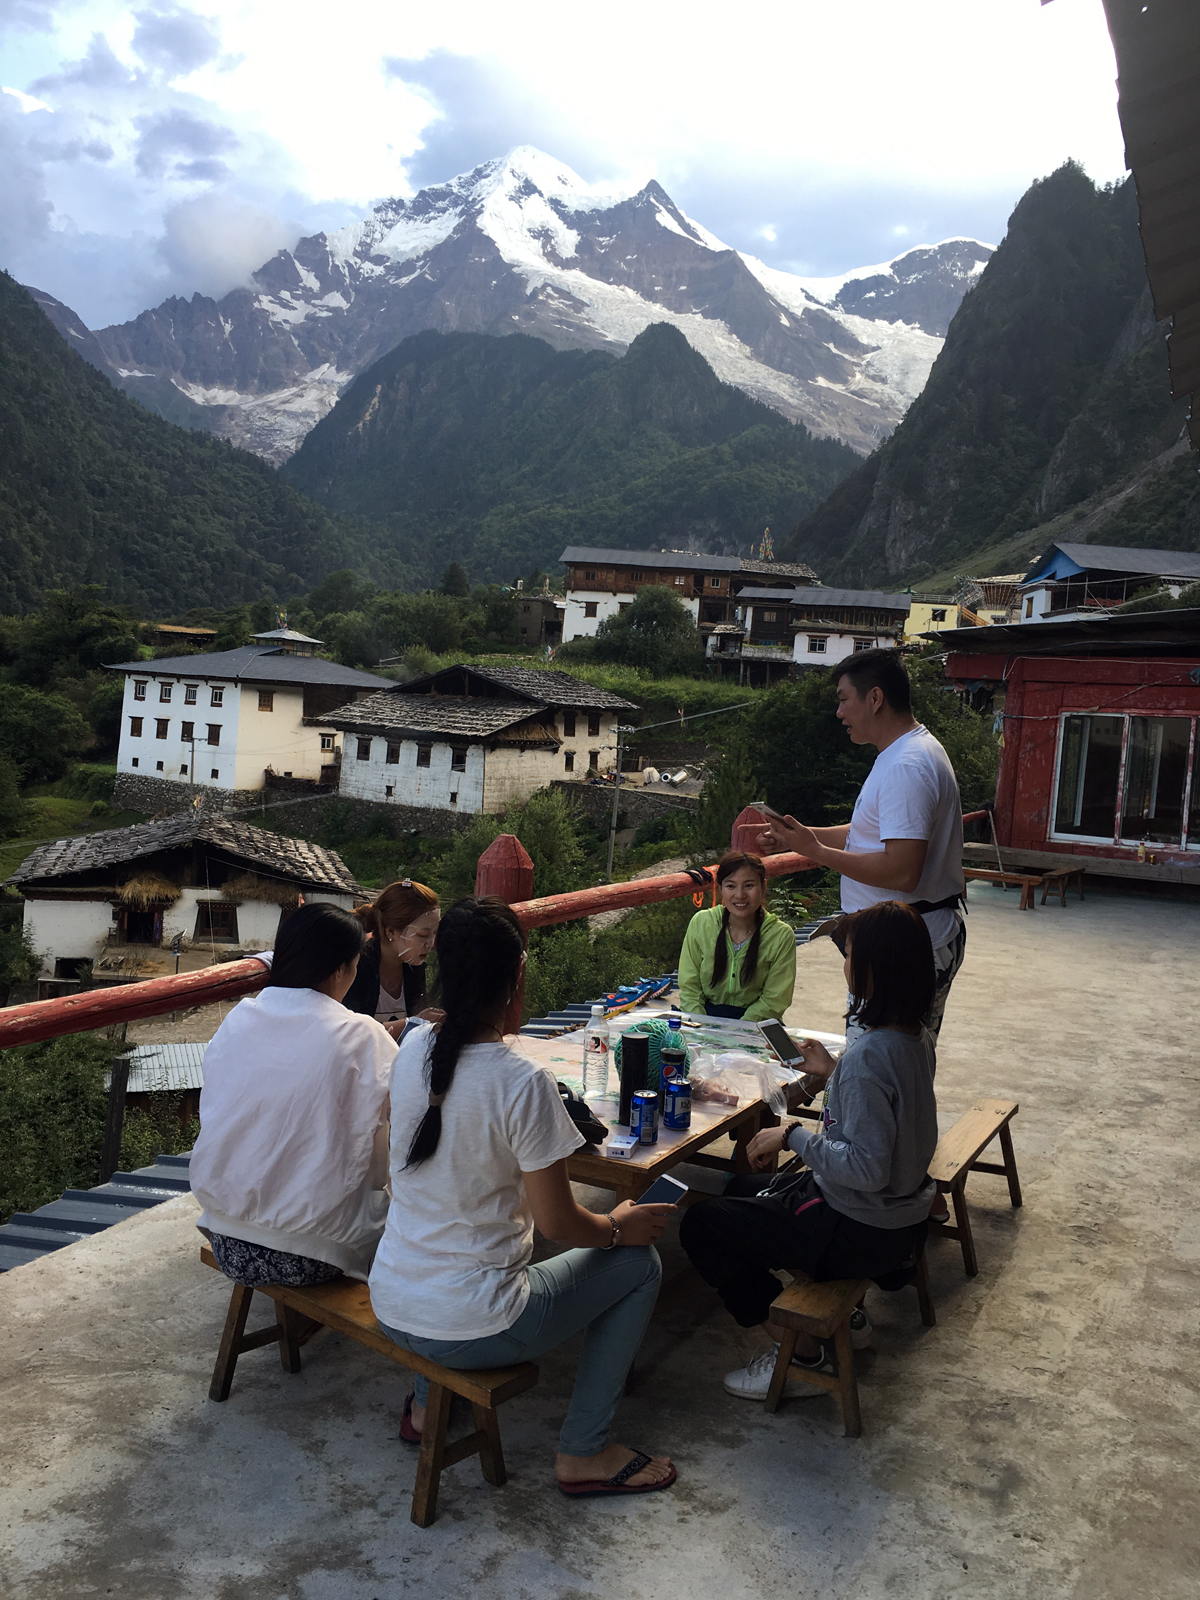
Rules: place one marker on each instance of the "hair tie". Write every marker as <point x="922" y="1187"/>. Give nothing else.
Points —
<point x="435" y="1100"/>
<point x="406" y="883"/>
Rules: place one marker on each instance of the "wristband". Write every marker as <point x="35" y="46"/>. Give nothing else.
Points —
<point x="616" y="1235"/>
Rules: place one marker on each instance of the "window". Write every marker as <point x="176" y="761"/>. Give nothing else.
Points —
<point x="134" y="762"/>
<point x="624" y="605"/>
<point x="135" y="727"/>
<point x="568" y="724"/>
<point x="1089" y="764"/>
<point x="593" y="724"/>
<point x="454" y="797"/>
<point x="139" y="689"/>
<point x="164" y="692"/>
<point x="636" y="576"/>
<point x="364" y="749"/>
<point x="327" y="741"/>
<point x="161" y="724"/>
<point x="216" y="921"/>
<point x="214" y="774"/>
<point x="589" y="574"/>
<point x="714" y="583"/>
<point x="1156" y="762"/>
<point x="183" y="772"/>
<point x="590" y="608"/>
<point x="680" y="581"/>
<point x="770" y="616"/>
<point x="593" y="760"/>
<point x="938" y="614"/>
<point x="218" y="697"/>
<point x="864" y="644"/>
<point x="458" y="758"/>
<point x="187" y="731"/>
<point x="214" y="734"/>
<point x="266" y="699"/>
<point x="389" y="791"/>
<point x="1028" y="605"/>
<point x="158" y="766"/>
<point x="190" y="691"/>
<point x="569" y="761"/>
<point x="424" y="755"/>
<point x="816" y="645"/>
<point x="393" y="755"/>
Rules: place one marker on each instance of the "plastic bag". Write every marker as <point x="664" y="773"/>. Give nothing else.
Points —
<point x="733" y="1078"/>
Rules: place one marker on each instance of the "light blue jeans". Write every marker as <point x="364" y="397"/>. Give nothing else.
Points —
<point x="610" y="1293"/>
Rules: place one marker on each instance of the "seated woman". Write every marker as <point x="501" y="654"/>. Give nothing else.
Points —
<point x="291" y="1160"/>
<point x="738" y="959"/>
<point x="861" y="1209"/>
<point x="479" y="1146"/>
<point x="390" y="986"/>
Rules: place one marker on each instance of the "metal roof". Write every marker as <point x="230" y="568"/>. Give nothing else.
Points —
<point x="165" y="1068"/>
<point x="289" y="635"/>
<point x="439" y="717"/>
<point x="683" y="561"/>
<point x="252" y="663"/>
<point x="1173" y="632"/>
<point x="28" y="1235"/>
<point x="1120" y="559"/>
<point x="813" y="599"/>
<point x="297" y="860"/>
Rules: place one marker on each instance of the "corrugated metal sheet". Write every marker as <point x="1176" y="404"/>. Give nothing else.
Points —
<point x="1157" y="43"/>
<point x="28" y="1235"/>
<point x="165" y="1068"/>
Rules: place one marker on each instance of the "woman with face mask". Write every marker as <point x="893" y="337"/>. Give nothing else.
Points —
<point x="401" y="925"/>
<point x="738" y="959"/>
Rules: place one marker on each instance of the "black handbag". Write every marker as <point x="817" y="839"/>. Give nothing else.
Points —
<point x="580" y="1113"/>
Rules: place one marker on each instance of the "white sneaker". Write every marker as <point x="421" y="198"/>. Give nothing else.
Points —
<point x="860" y="1329"/>
<point x="752" y="1381"/>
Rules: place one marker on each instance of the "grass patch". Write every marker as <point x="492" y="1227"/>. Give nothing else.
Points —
<point x="53" y="816"/>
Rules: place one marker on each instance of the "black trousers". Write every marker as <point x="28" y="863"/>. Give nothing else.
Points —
<point x="735" y="1241"/>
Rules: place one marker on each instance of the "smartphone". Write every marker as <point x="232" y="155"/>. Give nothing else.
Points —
<point x="767" y="811"/>
<point x="664" y="1191"/>
<point x="782" y="1043"/>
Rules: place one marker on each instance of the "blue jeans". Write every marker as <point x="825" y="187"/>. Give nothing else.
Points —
<point x="610" y="1293"/>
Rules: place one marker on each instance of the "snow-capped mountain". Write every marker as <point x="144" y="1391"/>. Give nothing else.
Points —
<point x="522" y="244"/>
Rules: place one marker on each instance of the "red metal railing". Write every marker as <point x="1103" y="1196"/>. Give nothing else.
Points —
<point x="504" y="868"/>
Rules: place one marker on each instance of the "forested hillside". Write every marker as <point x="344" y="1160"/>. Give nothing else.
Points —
<point x="1042" y="416"/>
<point x="94" y="489"/>
<point x="498" y="452"/>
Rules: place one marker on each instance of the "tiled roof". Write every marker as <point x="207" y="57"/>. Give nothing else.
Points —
<point x="553" y="688"/>
<point x="297" y="860"/>
<point x="440" y="716"/>
<point x="779" y="569"/>
<point x="253" y="663"/>
<point x="813" y="599"/>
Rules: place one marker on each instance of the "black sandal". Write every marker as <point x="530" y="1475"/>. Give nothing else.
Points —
<point x="594" y="1488"/>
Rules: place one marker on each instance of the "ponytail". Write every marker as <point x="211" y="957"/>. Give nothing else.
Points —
<point x="479" y="948"/>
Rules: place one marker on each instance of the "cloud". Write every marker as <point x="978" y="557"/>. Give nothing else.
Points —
<point x="27" y="102"/>
<point x="175" y="40"/>
<point x="25" y="208"/>
<point x="168" y="134"/>
<point x="215" y="242"/>
<point x="98" y="68"/>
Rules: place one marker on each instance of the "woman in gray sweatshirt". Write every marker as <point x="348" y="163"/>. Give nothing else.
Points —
<point x="861" y="1207"/>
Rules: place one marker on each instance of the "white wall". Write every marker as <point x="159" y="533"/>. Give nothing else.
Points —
<point x="578" y="626"/>
<point x="276" y="738"/>
<point x="412" y="785"/>
<point x="148" y="750"/>
<point x="837" y="647"/>
<point x="67" y="929"/>
<point x="514" y="774"/>
<point x="1041" y="604"/>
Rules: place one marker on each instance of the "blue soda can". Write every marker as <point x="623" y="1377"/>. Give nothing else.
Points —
<point x="643" y="1116"/>
<point x="677" y="1104"/>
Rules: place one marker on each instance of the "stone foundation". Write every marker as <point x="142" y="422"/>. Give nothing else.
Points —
<point x="138" y="791"/>
<point x="634" y="808"/>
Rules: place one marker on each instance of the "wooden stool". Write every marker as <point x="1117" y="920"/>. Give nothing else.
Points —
<point x="822" y="1309"/>
<point x="1027" y="882"/>
<point x="958" y="1153"/>
<point x="345" y="1304"/>
<point x="1060" y="880"/>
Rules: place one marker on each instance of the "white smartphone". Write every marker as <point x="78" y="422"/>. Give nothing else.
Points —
<point x="781" y="1043"/>
<point x="664" y="1191"/>
<point x="767" y="811"/>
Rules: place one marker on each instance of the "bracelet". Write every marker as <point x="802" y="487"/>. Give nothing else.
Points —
<point x="616" y="1235"/>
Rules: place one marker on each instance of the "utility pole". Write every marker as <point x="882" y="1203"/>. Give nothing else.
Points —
<point x="612" y="826"/>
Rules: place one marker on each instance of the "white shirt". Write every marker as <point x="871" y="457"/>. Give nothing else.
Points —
<point x="292" y="1152"/>
<point x="390" y="1007"/>
<point x="453" y="1259"/>
<point x="911" y="793"/>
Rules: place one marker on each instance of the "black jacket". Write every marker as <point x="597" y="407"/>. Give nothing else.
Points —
<point x="363" y="994"/>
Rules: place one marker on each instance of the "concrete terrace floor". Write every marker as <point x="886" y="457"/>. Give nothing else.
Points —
<point x="1041" y="1441"/>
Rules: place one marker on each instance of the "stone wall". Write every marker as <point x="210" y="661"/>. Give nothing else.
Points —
<point x="634" y="808"/>
<point x="138" y="791"/>
<point x="355" y="817"/>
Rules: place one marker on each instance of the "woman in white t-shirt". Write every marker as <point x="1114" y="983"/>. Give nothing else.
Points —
<point x="480" y="1141"/>
<point x="291" y="1160"/>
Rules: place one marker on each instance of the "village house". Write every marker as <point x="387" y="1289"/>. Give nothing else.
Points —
<point x="539" y="619"/>
<point x="779" y="632"/>
<point x="602" y="583"/>
<point x="228" y="720"/>
<point x="474" y="738"/>
<point x="1101" y="759"/>
<point x="208" y="881"/>
<point x="1078" y="580"/>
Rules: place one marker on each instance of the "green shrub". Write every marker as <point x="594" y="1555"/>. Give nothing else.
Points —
<point x="52" y="1109"/>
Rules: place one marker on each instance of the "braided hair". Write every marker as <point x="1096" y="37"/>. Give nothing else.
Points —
<point x="726" y="867"/>
<point x="479" y="948"/>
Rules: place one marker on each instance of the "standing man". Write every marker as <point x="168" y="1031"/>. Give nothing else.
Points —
<point x="904" y="840"/>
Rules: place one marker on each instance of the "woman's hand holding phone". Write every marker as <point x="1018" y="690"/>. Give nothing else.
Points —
<point x="818" y="1063"/>
<point x="641" y="1224"/>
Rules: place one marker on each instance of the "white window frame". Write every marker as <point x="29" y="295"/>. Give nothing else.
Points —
<point x="1114" y="839"/>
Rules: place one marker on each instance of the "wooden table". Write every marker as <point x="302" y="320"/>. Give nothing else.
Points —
<point x="631" y="1178"/>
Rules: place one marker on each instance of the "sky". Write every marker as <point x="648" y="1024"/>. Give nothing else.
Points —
<point x="159" y="149"/>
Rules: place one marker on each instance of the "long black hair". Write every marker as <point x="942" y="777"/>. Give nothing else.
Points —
<point x="313" y="944"/>
<point x="479" y="948"/>
<point x="725" y="868"/>
<point x="892" y="975"/>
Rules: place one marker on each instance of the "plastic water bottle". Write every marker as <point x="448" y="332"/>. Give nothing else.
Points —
<point x="595" y="1056"/>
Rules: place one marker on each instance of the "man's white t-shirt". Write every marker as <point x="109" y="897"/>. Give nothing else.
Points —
<point x="453" y="1258"/>
<point x="911" y="793"/>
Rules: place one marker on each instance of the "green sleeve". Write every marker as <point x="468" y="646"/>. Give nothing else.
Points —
<point x="780" y="985"/>
<point x="691" y="992"/>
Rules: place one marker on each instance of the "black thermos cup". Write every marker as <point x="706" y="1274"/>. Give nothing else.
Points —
<point x="635" y="1069"/>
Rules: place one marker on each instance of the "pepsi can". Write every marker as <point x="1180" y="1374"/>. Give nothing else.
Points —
<point x="677" y="1104"/>
<point x="643" y="1116"/>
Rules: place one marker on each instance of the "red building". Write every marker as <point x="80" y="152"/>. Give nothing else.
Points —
<point x="1101" y="756"/>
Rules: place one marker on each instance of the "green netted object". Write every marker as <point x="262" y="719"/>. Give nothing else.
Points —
<point x="656" y="1030"/>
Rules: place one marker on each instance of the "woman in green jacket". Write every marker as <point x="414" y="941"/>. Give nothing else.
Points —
<point x="738" y="959"/>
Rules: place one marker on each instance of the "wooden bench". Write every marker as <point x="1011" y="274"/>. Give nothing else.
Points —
<point x="345" y="1305"/>
<point x="1026" y="881"/>
<point x="958" y="1153"/>
<point x="1059" y="879"/>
